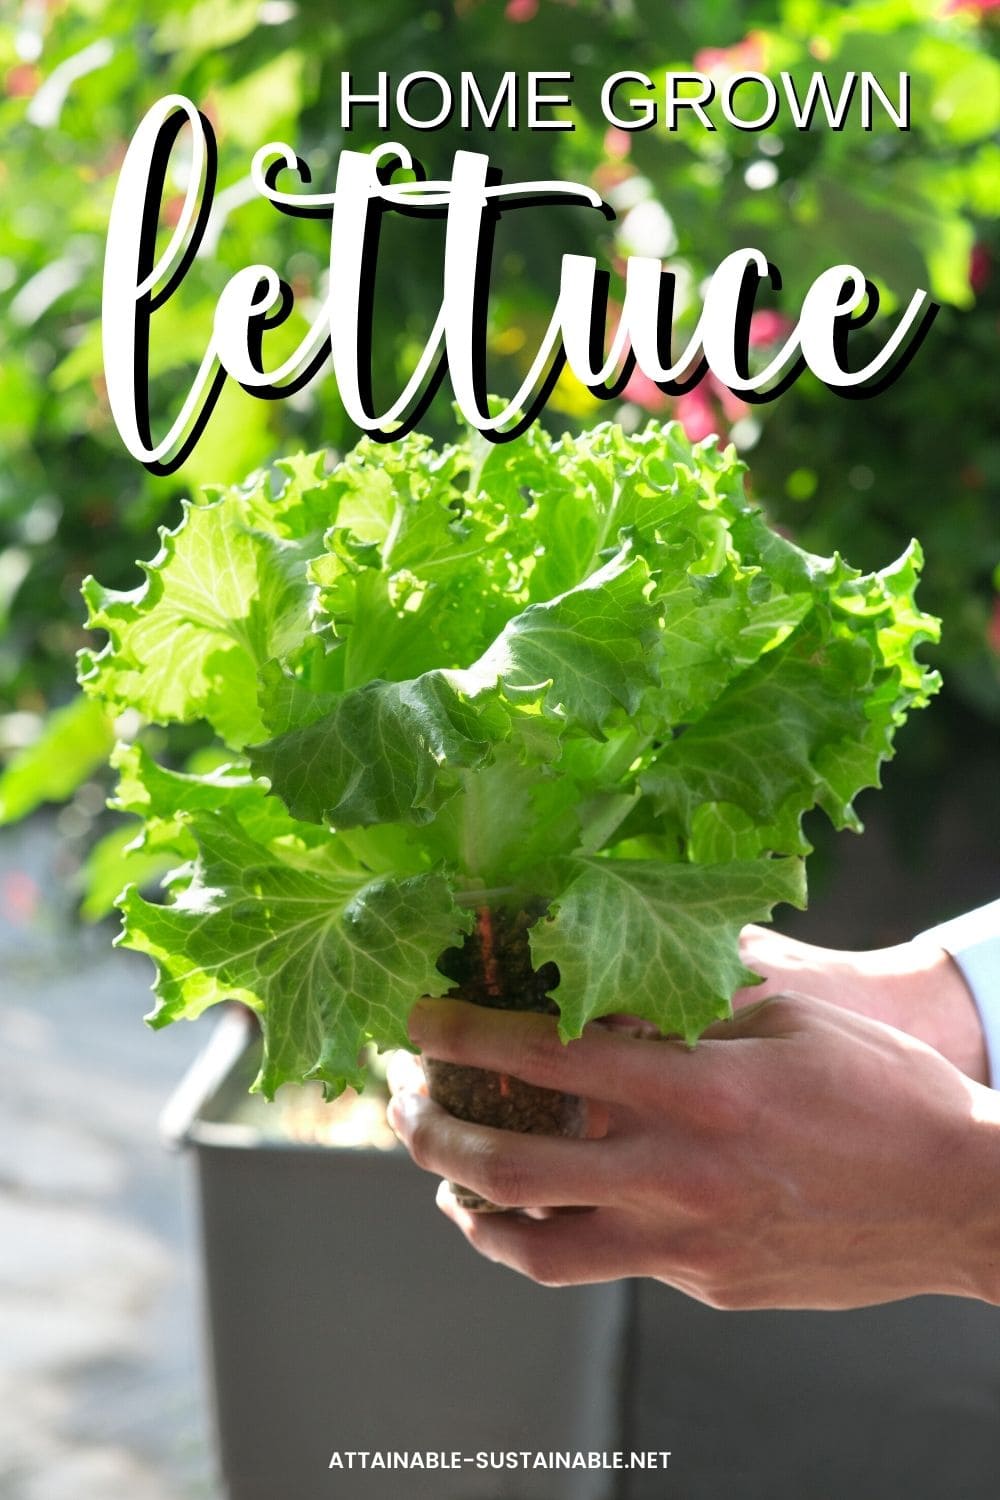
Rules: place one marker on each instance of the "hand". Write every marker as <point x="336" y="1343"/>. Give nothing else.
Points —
<point x="914" y="986"/>
<point x="799" y="1156"/>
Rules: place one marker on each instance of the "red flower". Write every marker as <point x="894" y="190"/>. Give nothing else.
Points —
<point x="521" y="10"/>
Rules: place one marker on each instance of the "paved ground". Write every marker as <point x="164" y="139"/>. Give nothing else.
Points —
<point x="100" y="1387"/>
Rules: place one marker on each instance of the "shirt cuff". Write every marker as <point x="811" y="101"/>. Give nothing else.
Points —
<point x="973" y="941"/>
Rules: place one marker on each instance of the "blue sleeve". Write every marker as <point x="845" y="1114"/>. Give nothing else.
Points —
<point x="973" y="941"/>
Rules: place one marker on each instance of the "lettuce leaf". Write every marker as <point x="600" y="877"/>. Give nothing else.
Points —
<point x="327" y="957"/>
<point x="669" y="937"/>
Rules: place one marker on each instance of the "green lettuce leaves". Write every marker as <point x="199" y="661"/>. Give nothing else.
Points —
<point x="579" y="672"/>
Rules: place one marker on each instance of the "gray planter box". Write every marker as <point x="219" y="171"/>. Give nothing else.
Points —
<point x="900" y="1402"/>
<point x="345" y="1314"/>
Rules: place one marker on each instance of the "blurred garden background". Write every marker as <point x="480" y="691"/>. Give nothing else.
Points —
<point x="922" y="459"/>
<point x="912" y="209"/>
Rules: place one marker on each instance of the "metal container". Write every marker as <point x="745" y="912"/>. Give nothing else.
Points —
<point x="894" y="1402"/>
<point x="345" y="1315"/>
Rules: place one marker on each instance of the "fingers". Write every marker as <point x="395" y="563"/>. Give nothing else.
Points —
<point x="629" y="1025"/>
<point x="508" y="1169"/>
<point x="405" y="1074"/>
<point x="771" y="1015"/>
<point x="602" y="1064"/>
<point x="633" y="1073"/>
<point x="404" y="1071"/>
<point x="561" y="1250"/>
<point x="758" y="952"/>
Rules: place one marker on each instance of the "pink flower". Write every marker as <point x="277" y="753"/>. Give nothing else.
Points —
<point x="733" y="406"/>
<point x="22" y="81"/>
<point x="696" y="413"/>
<point x="977" y="7"/>
<point x="521" y="10"/>
<point x="641" y="390"/>
<point x="768" y="327"/>
<point x="638" y="388"/>
<point x="617" y="143"/>
<point x="709" y="407"/>
<point x="747" y="56"/>
<point x="20" y="896"/>
<point x="980" y="266"/>
<point x="993" y="629"/>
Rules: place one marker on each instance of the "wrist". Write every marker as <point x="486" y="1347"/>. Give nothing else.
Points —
<point x="918" y="988"/>
<point x="974" y="1165"/>
<point x="915" y="987"/>
<point x="972" y="942"/>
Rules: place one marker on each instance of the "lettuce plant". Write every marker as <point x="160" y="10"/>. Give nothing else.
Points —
<point x="581" y="674"/>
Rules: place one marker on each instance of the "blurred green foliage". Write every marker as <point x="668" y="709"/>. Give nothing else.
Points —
<point x="914" y="208"/>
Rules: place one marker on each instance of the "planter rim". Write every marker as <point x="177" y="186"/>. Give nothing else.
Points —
<point x="181" y="1124"/>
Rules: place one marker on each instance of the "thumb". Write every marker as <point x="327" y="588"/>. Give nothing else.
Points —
<point x="775" y="1015"/>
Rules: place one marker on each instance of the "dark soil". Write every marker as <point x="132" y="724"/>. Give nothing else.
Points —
<point x="493" y="967"/>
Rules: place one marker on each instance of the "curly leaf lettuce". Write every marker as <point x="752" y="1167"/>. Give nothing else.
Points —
<point x="581" y="672"/>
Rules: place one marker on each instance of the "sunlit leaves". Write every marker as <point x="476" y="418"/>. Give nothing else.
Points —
<point x="637" y="747"/>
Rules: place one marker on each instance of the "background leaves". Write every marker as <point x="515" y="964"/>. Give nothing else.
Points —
<point x="922" y="459"/>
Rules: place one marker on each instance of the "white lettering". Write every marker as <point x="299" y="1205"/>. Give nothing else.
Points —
<point x="818" y="92"/>
<point x="403" y="100"/>
<point x="348" y="100"/>
<point x="675" y="101"/>
<point x="505" y="97"/>
<point x="870" y="87"/>
<point x="255" y="299"/>
<point x="537" y="101"/>
<point x="644" y="110"/>
<point x="757" y="122"/>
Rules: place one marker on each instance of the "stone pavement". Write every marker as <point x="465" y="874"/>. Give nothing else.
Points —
<point x="101" y="1392"/>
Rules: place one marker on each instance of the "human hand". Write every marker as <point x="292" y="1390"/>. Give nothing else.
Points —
<point x="799" y="1156"/>
<point x="913" y="986"/>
